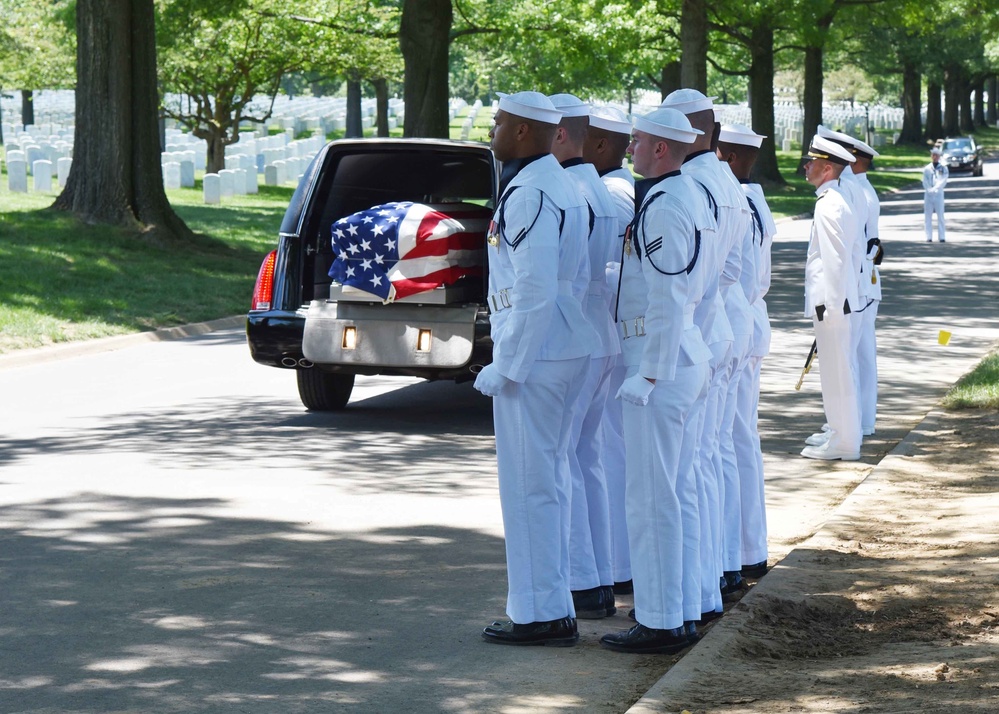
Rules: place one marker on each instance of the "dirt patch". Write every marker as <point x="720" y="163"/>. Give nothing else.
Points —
<point x="893" y="608"/>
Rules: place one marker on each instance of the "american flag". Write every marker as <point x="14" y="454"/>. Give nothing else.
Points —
<point x="395" y="250"/>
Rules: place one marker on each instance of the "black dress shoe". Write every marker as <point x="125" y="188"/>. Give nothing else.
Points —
<point x="594" y="603"/>
<point x="690" y="630"/>
<point x="644" y="640"/>
<point x="631" y="614"/>
<point x="707" y="617"/>
<point x="733" y="587"/>
<point x="754" y="571"/>
<point x="624" y="587"/>
<point x="553" y="633"/>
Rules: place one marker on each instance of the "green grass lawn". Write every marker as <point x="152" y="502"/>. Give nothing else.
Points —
<point x="979" y="389"/>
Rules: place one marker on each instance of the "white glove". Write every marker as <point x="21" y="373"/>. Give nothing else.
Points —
<point x="612" y="274"/>
<point x="490" y="382"/>
<point x="636" y="390"/>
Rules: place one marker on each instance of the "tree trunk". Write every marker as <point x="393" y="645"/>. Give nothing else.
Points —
<point x="991" y="115"/>
<point x="966" y="121"/>
<point x="215" y="158"/>
<point x="812" y="100"/>
<point x="670" y="79"/>
<point x="694" y="45"/>
<point x="27" y="107"/>
<point x="424" y="39"/>
<point x="934" y="115"/>
<point x="355" y="129"/>
<point x="381" y="103"/>
<point x="116" y="176"/>
<point x="952" y="101"/>
<point x="979" y="110"/>
<point x="912" y="122"/>
<point x="761" y="90"/>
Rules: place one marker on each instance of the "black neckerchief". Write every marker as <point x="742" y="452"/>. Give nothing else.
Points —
<point x="696" y="154"/>
<point x="513" y="167"/>
<point x="603" y="173"/>
<point x="574" y="161"/>
<point x="642" y="187"/>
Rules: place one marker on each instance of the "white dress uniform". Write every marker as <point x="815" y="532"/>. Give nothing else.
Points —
<point x="831" y="289"/>
<point x="746" y="429"/>
<point x="590" y="554"/>
<point x="716" y="446"/>
<point x="620" y="184"/>
<point x="656" y="311"/>
<point x="870" y="298"/>
<point x="934" y="180"/>
<point x="538" y="278"/>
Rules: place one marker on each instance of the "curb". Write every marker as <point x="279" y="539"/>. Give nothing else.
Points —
<point x="720" y="639"/>
<point x="67" y="350"/>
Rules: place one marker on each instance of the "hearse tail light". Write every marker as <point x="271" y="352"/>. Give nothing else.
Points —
<point x="263" y="291"/>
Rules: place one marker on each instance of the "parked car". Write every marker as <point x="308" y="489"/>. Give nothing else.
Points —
<point x="326" y="331"/>
<point x="961" y="154"/>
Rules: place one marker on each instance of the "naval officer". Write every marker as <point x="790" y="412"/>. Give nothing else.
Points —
<point x="538" y="278"/>
<point x="830" y="296"/>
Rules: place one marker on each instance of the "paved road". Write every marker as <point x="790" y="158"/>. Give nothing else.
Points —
<point x="178" y="535"/>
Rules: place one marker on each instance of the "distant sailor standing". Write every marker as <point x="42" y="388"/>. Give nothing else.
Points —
<point x="935" y="176"/>
<point x="538" y="277"/>
<point x="830" y="295"/>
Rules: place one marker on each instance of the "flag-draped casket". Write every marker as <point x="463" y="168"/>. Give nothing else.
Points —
<point x="391" y="251"/>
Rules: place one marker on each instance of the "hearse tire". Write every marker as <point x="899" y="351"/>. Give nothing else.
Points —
<point x="324" y="391"/>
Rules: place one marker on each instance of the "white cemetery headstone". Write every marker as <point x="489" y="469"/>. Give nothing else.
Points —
<point x="62" y="170"/>
<point x="42" y="171"/>
<point x="171" y="175"/>
<point x="212" y="187"/>
<point x="187" y="173"/>
<point x="226" y="182"/>
<point x="785" y="145"/>
<point x="239" y="182"/>
<point x="271" y="175"/>
<point x="17" y="175"/>
<point x="252" y="184"/>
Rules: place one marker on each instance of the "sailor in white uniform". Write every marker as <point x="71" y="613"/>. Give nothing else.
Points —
<point x="716" y="446"/>
<point x="738" y="146"/>
<point x="538" y="277"/>
<point x="590" y="572"/>
<point x="935" y="176"/>
<point x="830" y="296"/>
<point x="607" y="140"/>
<point x="869" y="288"/>
<point x="667" y="370"/>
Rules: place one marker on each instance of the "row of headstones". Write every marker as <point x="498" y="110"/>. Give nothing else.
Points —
<point x="466" y="126"/>
<point x="41" y="173"/>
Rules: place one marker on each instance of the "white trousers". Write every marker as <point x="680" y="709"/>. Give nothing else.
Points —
<point x="532" y="421"/>
<point x="731" y="491"/>
<point x="708" y="466"/>
<point x="839" y="396"/>
<point x="867" y="363"/>
<point x="653" y="439"/>
<point x="934" y="203"/>
<point x="749" y="456"/>
<point x="856" y="331"/>
<point x="589" y="522"/>
<point x="614" y="469"/>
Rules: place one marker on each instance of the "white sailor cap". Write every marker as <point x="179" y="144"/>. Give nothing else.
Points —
<point x="530" y="105"/>
<point x="823" y="148"/>
<point x="855" y="145"/>
<point x="935" y="151"/>
<point x="687" y="101"/>
<point x="610" y="119"/>
<point x="740" y="134"/>
<point x="668" y="124"/>
<point x="570" y="105"/>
